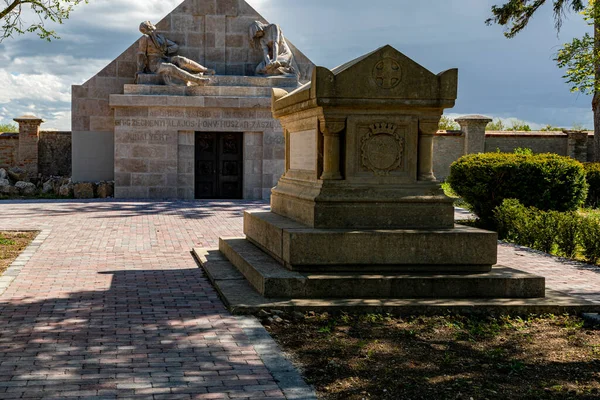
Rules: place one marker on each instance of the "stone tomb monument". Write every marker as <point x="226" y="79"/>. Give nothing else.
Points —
<point x="358" y="217"/>
<point x="185" y="111"/>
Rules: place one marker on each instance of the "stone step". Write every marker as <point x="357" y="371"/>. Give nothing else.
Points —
<point x="300" y="248"/>
<point x="237" y="91"/>
<point x="232" y="80"/>
<point x="241" y="298"/>
<point x="272" y="280"/>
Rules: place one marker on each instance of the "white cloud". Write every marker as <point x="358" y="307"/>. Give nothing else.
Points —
<point x="37" y="87"/>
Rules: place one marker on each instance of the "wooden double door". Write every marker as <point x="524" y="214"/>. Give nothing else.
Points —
<point x="219" y="165"/>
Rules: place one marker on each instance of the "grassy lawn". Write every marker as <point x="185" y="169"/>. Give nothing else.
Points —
<point x="452" y="357"/>
<point x="11" y="245"/>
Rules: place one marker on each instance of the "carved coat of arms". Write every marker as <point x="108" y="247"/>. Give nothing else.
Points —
<point x="382" y="149"/>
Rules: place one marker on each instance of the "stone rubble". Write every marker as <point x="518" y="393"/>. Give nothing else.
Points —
<point x="14" y="182"/>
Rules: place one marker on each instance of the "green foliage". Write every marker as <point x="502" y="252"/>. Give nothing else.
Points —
<point x="448" y="124"/>
<point x="548" y="231"/>
<point x="579" y="58"/>
<point x="515" y="14"/>
<point x="590" y="238"/>
<point x="8" y="128"/>
<point x="544" y="181"/>
<point x="518" y="125"/>
<point x="567" y="235"/>
<point x="57" y="11"/>
<point x="6" y="242"/>
<point x="496" y="125"/>
<point x="523" y="151"/>
<point x="592" y="176"/>
<point x="550" y="128"/>
<point x="579" y="127"/>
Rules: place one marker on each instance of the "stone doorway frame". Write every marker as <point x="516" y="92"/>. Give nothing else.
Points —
<point x="252" y="155"/>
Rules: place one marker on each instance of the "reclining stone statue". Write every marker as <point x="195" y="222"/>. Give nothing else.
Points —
<point x="157" y="55"/>
<point x="278" y="59"/>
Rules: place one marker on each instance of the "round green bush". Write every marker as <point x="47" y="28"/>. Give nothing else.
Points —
<point x="592" y="176"/>
<point x="544" y="181"/>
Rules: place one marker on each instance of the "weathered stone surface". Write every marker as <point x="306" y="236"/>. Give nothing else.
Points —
<point x="26" y="188"/>
<point x="3" y="174"/>
<point x="358" y="214"/>
<point x="17" y="174"/>
<point x="272" y="280"/>
<point x="105" y="190"/>
<point x="48" y="187"/>
<point x="66" y="190"/>
<point x="4" y="182"/>
<point x="9" y="190"/>
<point x="83" y="190"/>
<point x="298" y="247"/>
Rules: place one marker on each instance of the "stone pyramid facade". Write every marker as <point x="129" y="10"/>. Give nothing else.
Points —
<point x="211" y="32"/>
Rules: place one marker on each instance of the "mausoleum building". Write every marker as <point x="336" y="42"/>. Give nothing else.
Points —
<point x="185" y="112"/>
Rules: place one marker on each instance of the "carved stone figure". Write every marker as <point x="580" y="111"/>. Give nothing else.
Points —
<point x="278" y="58"/>
<point x="157" y="55"/>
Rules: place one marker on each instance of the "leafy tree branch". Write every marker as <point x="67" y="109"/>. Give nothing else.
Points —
<point x="12" y="22"/>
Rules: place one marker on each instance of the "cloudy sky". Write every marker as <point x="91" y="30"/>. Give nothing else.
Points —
<point x="498" y="77"/>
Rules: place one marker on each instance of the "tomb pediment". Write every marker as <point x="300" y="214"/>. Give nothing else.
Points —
<point x="382" y="77"/>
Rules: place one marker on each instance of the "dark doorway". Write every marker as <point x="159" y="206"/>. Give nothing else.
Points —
<point x="219" y="164"/>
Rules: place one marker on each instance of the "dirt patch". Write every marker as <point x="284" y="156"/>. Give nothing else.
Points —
<point x="382" y="357"/>
<point x="11" y="245"/>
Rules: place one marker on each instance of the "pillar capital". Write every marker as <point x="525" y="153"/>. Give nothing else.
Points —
<point x="28" y="119"/>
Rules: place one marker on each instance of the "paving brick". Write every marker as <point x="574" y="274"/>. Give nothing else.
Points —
<point x="112" y="305"/>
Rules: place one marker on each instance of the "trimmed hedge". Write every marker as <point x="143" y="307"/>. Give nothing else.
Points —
<point x="592" y="176"/>
<point x="560" y="233"/>
<point x="544" y="181"/>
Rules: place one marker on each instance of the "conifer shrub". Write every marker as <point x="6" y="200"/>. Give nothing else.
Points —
<point x="592" y="176"/>
<point x="543" y="181"/>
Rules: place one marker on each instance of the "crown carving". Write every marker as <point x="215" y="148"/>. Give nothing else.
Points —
<point x="383" y="127"/>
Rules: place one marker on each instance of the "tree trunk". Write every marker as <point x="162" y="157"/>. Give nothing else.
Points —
<point x="596" y="100"/>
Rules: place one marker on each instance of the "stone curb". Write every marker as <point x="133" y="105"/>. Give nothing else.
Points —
<point x="17" y="265"/>
<point x="285" y="374"/>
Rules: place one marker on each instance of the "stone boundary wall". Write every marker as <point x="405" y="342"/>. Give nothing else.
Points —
<point x="54" y="153"/>
<point x="9" y="145"/>
<point x="45" y="153"/>
<point x="449" y="146"/>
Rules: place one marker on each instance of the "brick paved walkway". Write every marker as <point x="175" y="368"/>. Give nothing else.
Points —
<point x="113" y="304"/>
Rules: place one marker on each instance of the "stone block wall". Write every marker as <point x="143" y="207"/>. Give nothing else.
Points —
<point x="9" y="145"/>
<point x="451" y="145"/>
<point x="447" y="148"/>
<point x="54" y="153"/>
<point x="539" y="142"/>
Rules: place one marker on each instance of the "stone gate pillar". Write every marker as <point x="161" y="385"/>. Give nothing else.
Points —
<point x="29" y="136"/>
<point x="577" y="145"/>
<point x="473" y="127"/>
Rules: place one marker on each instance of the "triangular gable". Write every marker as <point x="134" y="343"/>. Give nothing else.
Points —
<point x="390" y="74"/>
<point x="213" y="33"/>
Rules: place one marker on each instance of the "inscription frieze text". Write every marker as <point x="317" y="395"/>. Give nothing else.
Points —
<point x="196" y="124"/>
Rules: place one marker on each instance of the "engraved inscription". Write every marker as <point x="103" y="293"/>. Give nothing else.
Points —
<point x="382" y="149"/>
<point x="303" y="150"/>
<point x="197" y="124"/>
<point x="166" y="113"/>
<point x="387" y="73"/>
<point x="145" y="137"/>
